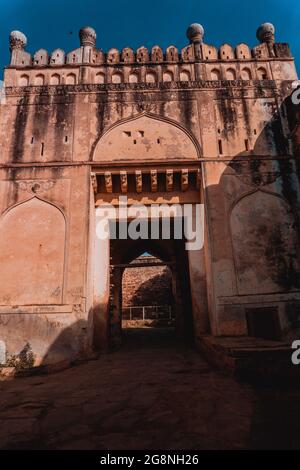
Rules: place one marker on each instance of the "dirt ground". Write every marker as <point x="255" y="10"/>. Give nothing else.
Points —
<point x="151" y="394"/>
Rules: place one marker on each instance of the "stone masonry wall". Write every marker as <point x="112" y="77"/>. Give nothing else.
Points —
<point x="147" y="286"/>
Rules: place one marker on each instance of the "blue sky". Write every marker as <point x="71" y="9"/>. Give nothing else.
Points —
<point x="120" y="23"/>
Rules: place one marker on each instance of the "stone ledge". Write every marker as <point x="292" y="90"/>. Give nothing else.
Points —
<point x="250" y="358"/>
<point x="92" y="87"/>
<point x="259" y="299"/>
<point x="27" y="309"/>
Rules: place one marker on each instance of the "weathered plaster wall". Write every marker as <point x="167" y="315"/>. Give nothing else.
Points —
<point x="44" y="228"/>
<point x="58" y="123"/>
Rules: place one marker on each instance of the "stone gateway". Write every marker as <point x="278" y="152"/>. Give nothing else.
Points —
<point x="200" y="126"/>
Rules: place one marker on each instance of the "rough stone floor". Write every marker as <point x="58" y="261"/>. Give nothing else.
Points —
<point x="151" y="394"/>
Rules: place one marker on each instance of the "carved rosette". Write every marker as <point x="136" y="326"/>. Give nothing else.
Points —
<point x="259" y="179"/>
<point x="35" y="186"/>
<point x="253" y="175"/>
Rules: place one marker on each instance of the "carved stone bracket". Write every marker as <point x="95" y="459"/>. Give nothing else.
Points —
<point x="124" y="181"/>
<point x="94" y="182"/>
<point x="138" y="181"/>
<point x="108" y="182"/>
<point x="184" y="180"/>
<point x="169" y="180"/>
<point x="154" y="181"/>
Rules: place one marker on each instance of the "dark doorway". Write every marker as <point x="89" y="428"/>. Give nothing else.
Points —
<point x="147" y="294"/>
<point x="161" y="300"/>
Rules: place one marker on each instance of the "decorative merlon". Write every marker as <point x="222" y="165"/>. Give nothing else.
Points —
<point x="196" y="51"/>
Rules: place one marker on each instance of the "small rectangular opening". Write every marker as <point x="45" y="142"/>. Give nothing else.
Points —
<point x="42" y="149"/>
<point x="220" y="147"/>
<point x="247" y="145"/>
<point x="263" y="323"/>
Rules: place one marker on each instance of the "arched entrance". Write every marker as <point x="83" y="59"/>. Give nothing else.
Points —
<point x="169" y="254"/>
<point x="147" y="294"/>
<point x="155" y="163"/>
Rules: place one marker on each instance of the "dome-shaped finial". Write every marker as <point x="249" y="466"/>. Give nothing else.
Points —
<point x="265" y="33"/>
<point x="87" y="36"/>
<point x="17" y="40"/>
<point x="195" y="33"/>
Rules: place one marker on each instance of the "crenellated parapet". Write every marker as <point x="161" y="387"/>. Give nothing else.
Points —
<point x="196" y="61"/>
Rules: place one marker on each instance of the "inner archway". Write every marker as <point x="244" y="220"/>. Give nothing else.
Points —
<point x="150" y="288"/>
<point x="147" y="294"/>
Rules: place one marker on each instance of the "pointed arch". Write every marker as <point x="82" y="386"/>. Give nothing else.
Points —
<point x="264" y="243"/>
<point x="24" y="80"/>
<point x="32" y="254"/>
<point x="71" y="79"/>
<point x="146" y="136"/>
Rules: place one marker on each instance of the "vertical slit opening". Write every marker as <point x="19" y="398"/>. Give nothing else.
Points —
<point x="220" y="147"/>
